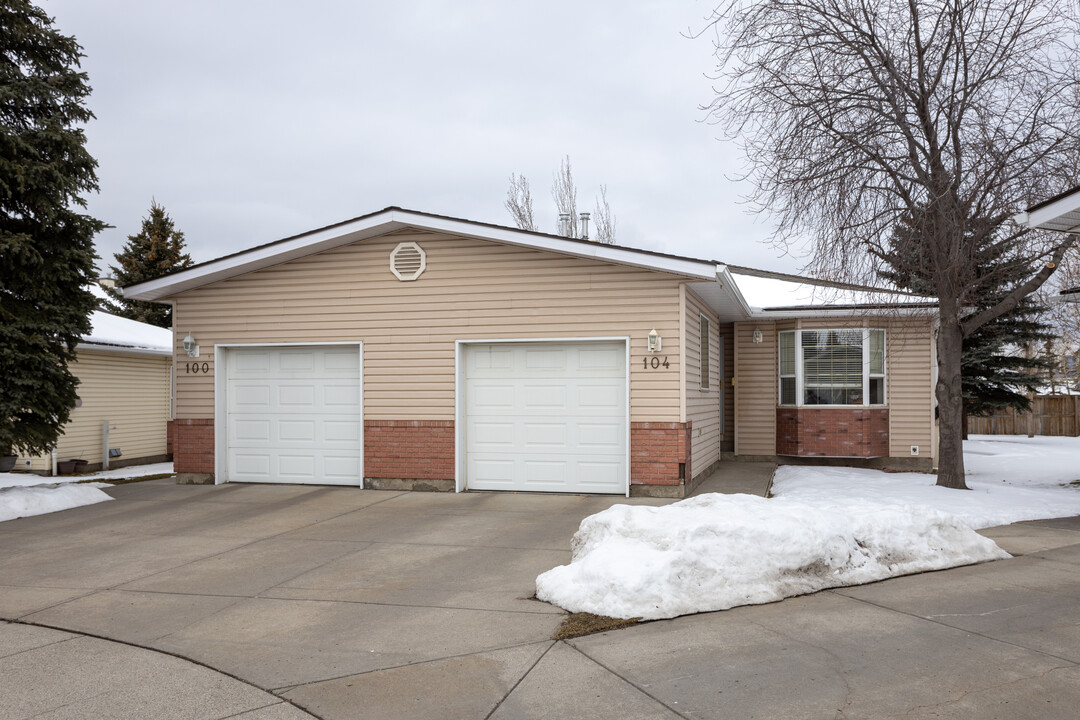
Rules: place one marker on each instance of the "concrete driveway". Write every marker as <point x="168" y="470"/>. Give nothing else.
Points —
<point x="352" y="604"/>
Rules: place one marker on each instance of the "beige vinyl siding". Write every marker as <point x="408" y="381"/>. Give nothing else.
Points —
<point x="727" y="438"/>
<point x="471" y="289"/>
<point x="129" y="390"/>
<point x="908" y="381"/>
<point x="755" y="389"/>
<point x="702" y="406"/>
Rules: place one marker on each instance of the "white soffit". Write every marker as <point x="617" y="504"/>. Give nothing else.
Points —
<point x="389" y="220"/>
<point x="1061" y="214"/>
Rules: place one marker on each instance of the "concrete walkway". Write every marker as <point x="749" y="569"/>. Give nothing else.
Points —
<point x="356" y="604"/>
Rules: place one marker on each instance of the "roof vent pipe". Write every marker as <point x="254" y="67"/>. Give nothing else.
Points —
<point x="564" y="224"/>
<point x="583" y="223"/>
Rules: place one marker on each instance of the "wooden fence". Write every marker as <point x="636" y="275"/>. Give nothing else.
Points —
<point x="1050" y="415"/>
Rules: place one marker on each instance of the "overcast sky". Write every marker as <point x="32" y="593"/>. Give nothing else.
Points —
<point x="252" y="121"/>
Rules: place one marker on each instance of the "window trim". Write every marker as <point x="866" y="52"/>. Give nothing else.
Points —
<point x="866" y="374"/>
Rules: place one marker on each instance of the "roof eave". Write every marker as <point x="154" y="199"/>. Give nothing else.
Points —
<point x="123" y="349"/>
<point x="389" y="220"/>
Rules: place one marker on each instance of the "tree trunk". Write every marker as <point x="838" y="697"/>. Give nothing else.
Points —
<point x="950" y="344"/>
<point x="964" y="432"/>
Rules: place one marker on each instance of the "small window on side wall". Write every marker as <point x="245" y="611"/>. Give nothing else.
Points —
<point x="787" y="368"/>
<point x="705" y="360"/>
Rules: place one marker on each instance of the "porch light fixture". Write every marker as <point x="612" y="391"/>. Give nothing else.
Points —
<point x="190" y="346"/>
<point x="655" y="341"/>
<point x="757" y="335"/>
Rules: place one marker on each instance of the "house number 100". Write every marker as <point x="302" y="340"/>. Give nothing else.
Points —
<point x="654" y="363"/>
<point x="196" y="368"/>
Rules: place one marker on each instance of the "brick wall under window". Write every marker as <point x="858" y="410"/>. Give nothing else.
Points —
<point x="832" y="432"/>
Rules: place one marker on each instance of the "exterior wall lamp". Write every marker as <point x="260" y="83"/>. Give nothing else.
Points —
<point x="190" y="346"/>
<point x="757" y="336"/>
<point x="655" y="341"/>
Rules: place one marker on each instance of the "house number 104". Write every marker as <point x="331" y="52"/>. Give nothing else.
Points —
<point x="653" y="363"/>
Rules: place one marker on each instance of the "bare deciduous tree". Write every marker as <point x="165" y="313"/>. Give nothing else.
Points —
<point x="519" y="202"/>
<point x="855" y="113"/>
<point x="604" y="219"/>
<point x="564" y="193"/>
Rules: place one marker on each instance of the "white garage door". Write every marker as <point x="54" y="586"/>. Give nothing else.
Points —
<point x="546" y="417"/>
<point x="294" y="415"/>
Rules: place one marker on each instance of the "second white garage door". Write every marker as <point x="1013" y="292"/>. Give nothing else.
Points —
<point x="294" y="415"/>
<point x="546" y="417"/>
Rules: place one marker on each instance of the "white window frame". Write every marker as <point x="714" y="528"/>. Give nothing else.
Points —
<point x="866" y="374"/>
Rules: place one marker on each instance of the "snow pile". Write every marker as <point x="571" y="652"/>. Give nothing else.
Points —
<point x="1012" y="478"/>
<point x="825" y="527"/>
<point x="22" y="499"/>
<point x="717" y="551"/>
<point x="113" y="330"/>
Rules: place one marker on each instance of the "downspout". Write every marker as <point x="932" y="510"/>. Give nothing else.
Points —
<point x="54" y="468"/>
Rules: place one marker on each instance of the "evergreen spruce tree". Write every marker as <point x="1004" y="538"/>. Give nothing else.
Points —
<point x="158" y="249"/>
<point x="996" y="369"/>
<point x="46" y="245"/>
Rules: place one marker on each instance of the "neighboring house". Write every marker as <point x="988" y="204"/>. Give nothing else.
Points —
<point x="408" y="350"/>
<point x="124" y="369"/>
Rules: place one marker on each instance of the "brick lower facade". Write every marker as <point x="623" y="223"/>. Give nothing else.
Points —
<point x="409" y="449"/>
<point x="832" y="432"/>
<point x="659" y="453"/>
<point x="424" y="450"/>
<point x="192" y="445"/>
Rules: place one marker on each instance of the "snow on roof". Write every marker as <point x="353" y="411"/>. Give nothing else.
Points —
<point x="121" y="332"/>
<point x="766" y="293"/>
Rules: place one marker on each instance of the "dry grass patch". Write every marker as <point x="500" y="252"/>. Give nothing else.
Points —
<point x="578" y="624"/>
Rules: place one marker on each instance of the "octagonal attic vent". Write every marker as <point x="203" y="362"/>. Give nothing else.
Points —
<point x="407" y="261"/>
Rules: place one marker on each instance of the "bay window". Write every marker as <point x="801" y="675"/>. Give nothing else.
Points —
<point x="832" y="367"/>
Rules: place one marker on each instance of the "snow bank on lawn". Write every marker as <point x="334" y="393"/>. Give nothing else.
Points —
<point x="1011" y="479"/>
<point x="23" y="501"/>
<point x="717" y="551"/>
<point x="131" y="471"/>
<point x="825" y="527"/>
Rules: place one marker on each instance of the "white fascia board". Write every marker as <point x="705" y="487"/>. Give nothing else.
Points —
<point x="1052" y="213"/>
<point x="723" y="276"/>
<point x="395" y="219"/>
<point x="123" y="349"/>
<point x="263" y="257"/>
<point x="689" y="267"/>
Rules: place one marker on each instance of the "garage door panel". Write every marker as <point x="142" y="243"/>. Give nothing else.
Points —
<point x="592" y="398"/>
<point x="294" y="415"/>
<point x="248" y="396"/>
<point x="341" y="431"/>
<point x="544" y="436"/>
<point x="296" y="431"/>
<point x="499" y="474"/>
<point x="601" y="476"/>
<point x="600" y="436"/>
<point x="546" y="418"/>
<point x="492" y="436"/>
<point x="612" y="359"/>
